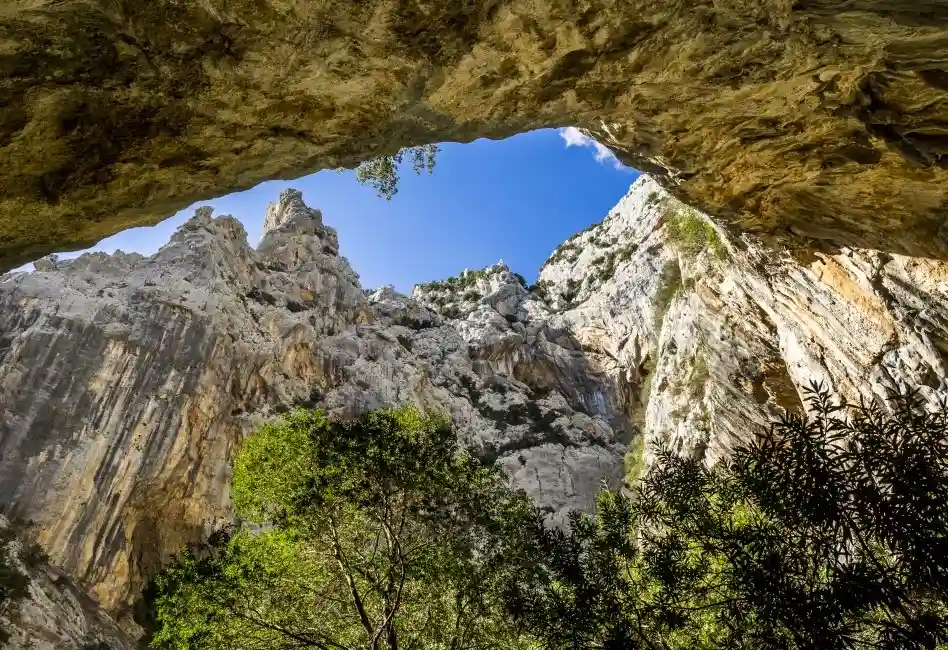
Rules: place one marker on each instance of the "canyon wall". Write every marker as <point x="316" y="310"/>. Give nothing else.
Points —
<point x="128" y="382"/>
<point x="54" y="614"/>
<point x="791" y="119"/>
<point x="718" y="332"/>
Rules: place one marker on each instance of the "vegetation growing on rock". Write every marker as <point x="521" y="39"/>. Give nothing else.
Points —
<point x="14" y="583"/>
<point x="463" y="281"/>
<point x="669" y="284"/>
<point x="692" y="234"/>
<point x="607" y="264"/>
<point x="827" y="531"/>
<point x="635" y="460"/>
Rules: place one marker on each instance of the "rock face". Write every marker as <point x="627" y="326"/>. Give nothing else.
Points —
<point x="55" y="615"/>
<point x="127" y="382"/>
<point x="713" y="334"/>
<point x="810" y="118"/>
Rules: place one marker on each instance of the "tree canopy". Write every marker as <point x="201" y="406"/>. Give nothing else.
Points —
<point x="381" y="174"/>
<point x="376" y="533"/>
<point x="829" y="531"/>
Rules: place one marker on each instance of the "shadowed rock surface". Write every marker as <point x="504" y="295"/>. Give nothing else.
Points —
<point x="55" y="614"/>
<point x="811" y="118"/>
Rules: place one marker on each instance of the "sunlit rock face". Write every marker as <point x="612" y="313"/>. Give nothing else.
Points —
<point x="811" y="118"/>
<point x="714" y="333"/>
<point x="127" y="383"/>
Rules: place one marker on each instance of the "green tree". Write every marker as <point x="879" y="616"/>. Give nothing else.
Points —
<point x="381" y="174"/>
<point x="375" y="533"/>
<point x="829" y="532"/>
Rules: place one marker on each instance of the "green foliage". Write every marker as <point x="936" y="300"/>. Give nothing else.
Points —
<point x="826" y="533"/>
<point x="569" y="250"/>
<point x="693" y="234"/>
<point x="451" y="311"/>
<point x="669" y="284"/>
<point x="611" y="259"/>
<point x="653" y="199"/>
<point x="693" y="386"/>
<point x="375" y="533"/>
<point x="635" y="460"/>
<point x="469" y="279"/>
<point x="14" y="583"/>
<point x="571" y="291"/>
<point x="274" y="465"/>
<point x="382" y="173"/>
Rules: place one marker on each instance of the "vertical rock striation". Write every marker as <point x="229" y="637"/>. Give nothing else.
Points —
<point x="713" y="333"/>
<point x="127" y="383"/>
<point x="54" y="614"/>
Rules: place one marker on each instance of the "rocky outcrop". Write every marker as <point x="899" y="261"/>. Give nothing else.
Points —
<point x="126" y="383"/>
<point x="714" y="334"/>
<point x="53" y="614"/>
<point x="789" y="119"/>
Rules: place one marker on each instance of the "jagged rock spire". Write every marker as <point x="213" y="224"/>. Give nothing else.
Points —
<point x="288" y="208"/>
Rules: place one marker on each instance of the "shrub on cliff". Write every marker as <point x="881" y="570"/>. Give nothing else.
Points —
<point x="376" y="533"/>
<point x="381" y="174"/>
<point x="691" y="234"/>
<point x="829" y="532"/>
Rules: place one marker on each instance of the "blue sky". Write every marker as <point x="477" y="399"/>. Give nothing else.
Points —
<point x="515" y="199"/>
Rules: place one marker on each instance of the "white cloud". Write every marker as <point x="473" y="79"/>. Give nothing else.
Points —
<point x="573" y="137"/>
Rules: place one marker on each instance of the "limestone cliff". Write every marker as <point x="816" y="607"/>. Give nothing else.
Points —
<point x="127" y="382"/>
<point x="714" y="333"/>
<point x="819" y="118"/>
<point x="54" y="614"/>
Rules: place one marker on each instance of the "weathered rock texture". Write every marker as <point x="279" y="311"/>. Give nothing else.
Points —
<point x="713" y="334"/>
<point x="127" y="382"/>
<point x="56" y="615"/>
<point x="811" y="117"/>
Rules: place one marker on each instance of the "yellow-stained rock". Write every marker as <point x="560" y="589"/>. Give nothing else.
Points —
<point x="792" y="119"/>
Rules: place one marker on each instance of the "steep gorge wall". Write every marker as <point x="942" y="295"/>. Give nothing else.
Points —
<point x="716" y="333"/>
<point x="54" y="614"/>
<point x="126" y="383"/>
<point x="811" y="118"/>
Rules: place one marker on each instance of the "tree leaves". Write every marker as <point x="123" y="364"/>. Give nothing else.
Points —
<point x="825" y="532"/>
<point x="374" y="533"/>
<point x="828" y="531"/>
<point x="381" y="173"/>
